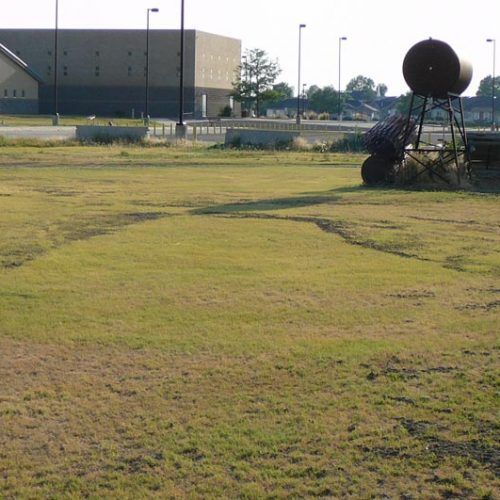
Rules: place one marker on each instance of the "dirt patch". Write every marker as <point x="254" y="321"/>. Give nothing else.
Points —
<point x="487" y="455"/>
<point x="488" y="306"/>
<point x="413" y="294"/>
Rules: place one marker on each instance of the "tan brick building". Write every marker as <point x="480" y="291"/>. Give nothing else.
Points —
<point x="18" y="85"/>
<point x="104" y="71"/>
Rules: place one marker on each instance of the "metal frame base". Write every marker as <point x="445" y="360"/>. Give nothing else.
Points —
<point x="421" y="106"/>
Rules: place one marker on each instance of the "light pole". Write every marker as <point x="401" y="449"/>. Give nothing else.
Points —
<point x="146" y="116"/>
<point x="245" y="66"/>
<point x="493" y="124"/>
<point x="56" y="36"/>
<point x="298" y="86"/>
<point x="304" y="85"/>
<point x="180" y="128"/>
<point x="341" y="39"/>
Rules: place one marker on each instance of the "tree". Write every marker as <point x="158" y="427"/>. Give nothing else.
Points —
<point x="323" y="99"/>
<point x="255" y="79"/>
<point x="484" y="89"/>
<point x="362" y="88"/>
<point x="284" y="90"/>
<point x="403" y="103"/>
<point x="381" y="89"/>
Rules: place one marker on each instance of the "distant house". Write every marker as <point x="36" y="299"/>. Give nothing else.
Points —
<point x="287" y="108"/>
<point x="477" y="109"/>
<point x="386" y="105"/>
<point x="19" y="85"/>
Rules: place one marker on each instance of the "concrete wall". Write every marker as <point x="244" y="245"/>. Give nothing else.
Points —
<point x="115" y="101"/>
<point x="270" y="138"/>
<point x="217" y="60"/>
<point x="96" y="64"/>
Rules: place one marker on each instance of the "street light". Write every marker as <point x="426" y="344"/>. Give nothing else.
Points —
<point x="56" y="35"/>
<point x="244" y="58"/>
<point x="493" y="125"/>
<point x="146" y="117"/>
<point x="298" y="86"/>
<point x="304" y="85"/>
<point x="341" y="39"/>
<point x="180" y="127"/>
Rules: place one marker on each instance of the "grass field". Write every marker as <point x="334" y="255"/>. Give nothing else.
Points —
<point x="200" y="323"/>
<point x="45" y="120"/>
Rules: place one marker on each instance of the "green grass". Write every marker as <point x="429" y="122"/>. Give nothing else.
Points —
<point x="45" y="120"/>
<point x="202" y="323"/>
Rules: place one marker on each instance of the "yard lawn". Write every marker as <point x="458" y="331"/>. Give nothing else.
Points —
<point x="204" y="323"/>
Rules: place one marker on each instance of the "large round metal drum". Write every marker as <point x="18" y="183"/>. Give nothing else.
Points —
<point x="376" y="169"/>
<point x="432" y="68"/>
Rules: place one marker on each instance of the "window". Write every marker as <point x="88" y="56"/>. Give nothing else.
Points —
<point x="129" y="71"/>
<point x="49" y="52"/>
<point x="97" y="71"/>
<point x="6" y="93"/>
<point x="129" y="52"/>
<point x="23" y="93"/>
<point x="65" y="53"/>
<point x="97" y="53"/>
<point x="49" y="70"/>
<point x="14" y="93"/>
<point x="65" y="70"/>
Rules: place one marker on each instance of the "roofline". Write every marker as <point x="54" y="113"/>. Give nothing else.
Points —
<point x="19" y="62"/>
<point x="117" y="30"/>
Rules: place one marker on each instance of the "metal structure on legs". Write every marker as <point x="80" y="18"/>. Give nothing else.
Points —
<point x="441" y="155"/>
<point x="437" y="78"/>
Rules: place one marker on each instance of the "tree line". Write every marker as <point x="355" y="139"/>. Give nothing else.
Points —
<point x="256" y="88"/>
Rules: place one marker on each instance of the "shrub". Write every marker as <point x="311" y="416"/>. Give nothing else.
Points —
<point x="226" y="111"/>
<point x="300" y="144"/>
<point x="422" y="170"/>
<point x="350" y="143"/>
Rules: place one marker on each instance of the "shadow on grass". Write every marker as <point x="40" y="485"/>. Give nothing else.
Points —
<point x="305" y="200"/>
<point x="268" y="204"/>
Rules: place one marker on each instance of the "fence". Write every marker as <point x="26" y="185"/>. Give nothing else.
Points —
<point x="216" y="129"/>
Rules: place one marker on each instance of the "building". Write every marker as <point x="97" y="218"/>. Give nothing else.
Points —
<point x="478" y="110"/>
<point x="18" y="85"/>
<point x="104" y="71"/>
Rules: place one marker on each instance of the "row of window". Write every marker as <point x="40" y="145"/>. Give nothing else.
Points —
<point x="14" y="93"/>
<point x="96" y="53"/>
<point x="130" y="53"/>
<point x="97" y="71"/>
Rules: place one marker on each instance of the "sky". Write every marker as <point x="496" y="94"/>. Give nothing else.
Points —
<point x="379" y="32"/>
